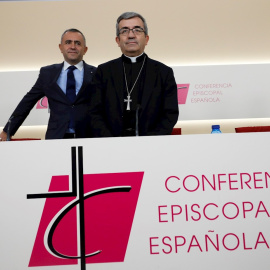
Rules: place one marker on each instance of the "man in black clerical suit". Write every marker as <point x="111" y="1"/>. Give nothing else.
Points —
<point x="134" y="95"/>
<point x="67" y="87"/>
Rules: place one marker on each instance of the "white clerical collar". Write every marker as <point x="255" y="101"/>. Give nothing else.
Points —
<point x="134" y="58"/>
<point x="79" y="66"/>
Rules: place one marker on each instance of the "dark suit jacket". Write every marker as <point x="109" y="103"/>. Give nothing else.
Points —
<point x="60" y="106"/>
<point x="159" y="106"/>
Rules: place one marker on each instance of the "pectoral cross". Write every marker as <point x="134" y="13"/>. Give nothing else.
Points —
<point x="128" y="100"/>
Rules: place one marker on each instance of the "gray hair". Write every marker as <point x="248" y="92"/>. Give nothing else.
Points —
<point x="75" y="31"/>
<point x="130" y="15"/>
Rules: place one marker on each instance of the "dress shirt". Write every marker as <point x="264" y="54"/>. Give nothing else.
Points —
<point x="78" y="75"/>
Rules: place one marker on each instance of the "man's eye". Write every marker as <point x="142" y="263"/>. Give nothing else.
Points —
<point x="67" y="42"/>
<point x="77" y="42"/>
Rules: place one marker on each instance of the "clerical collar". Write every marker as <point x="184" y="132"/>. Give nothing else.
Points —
<point x="135" y="59"/>
<point x="79" y="66"/>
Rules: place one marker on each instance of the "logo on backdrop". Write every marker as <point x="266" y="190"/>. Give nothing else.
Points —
<point x="89" y="224"/>
<point x="182" y="92"/>
<point x="42" y="103"/>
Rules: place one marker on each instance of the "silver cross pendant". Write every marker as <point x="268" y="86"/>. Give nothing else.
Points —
<point x="128" y="100"/>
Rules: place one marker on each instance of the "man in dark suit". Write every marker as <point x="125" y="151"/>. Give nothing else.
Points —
<point x="134" y="95"/>
<point x="67" y="87"/>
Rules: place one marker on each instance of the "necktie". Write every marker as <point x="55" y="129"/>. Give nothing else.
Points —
<point x="71" y="94"/>
<point x="71" y="84"/>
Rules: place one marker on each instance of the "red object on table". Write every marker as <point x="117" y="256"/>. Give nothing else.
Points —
<point x="176" y="131"/>
<point x="25" y="139"/>
<point x="253" y="129"/>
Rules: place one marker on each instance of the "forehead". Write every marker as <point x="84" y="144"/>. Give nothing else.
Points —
<point x="72" y="36"/>
<point x="130" y="23"/>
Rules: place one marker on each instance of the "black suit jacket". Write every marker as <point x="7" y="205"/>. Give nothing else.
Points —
<point x="60" y="106"/>
<point x="158" y="112"/>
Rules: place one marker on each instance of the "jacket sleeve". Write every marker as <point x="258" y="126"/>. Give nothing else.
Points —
<point x="97" y="107"/>
<point x="169" y="111"/>
<point x="25" y="106"/>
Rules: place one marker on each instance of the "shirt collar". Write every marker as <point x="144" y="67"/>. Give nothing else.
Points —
<point x="133" y="59"/>
<point x="79" y="66"/>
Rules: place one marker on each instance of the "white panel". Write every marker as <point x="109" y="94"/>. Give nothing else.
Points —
<point x="225" y="91"/>
<point x="224" y="157"/>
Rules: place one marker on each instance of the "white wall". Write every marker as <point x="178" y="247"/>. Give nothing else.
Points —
<point x="182" y="32"/>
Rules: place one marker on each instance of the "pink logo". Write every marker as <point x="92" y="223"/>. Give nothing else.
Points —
<point x="101" y="208"/>
<point x="182" y="91"/>
<point x="42" y="103"/>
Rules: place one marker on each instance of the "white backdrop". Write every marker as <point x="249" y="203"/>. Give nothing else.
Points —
<point x="214" y="92"/>
<point x="225" y="91"/>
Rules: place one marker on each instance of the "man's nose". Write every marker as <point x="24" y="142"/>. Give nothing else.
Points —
<point x="131" y="34"/>
<point x="72" y="44"/>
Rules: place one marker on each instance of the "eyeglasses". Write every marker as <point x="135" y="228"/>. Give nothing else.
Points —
<point x="136" y="31"/>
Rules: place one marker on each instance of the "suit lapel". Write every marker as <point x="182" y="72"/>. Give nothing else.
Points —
<point x="87" y="78"/>
<point x="55" y="75"/>
<point x="56" y="72"/>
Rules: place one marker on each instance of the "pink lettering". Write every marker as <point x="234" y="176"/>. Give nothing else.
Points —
<point x="198" y="213"/>
<point x="261" y="242"/>
<point x="166" y="184"/>
<point x="244" y="242"/>
<point x="177" y="244"/>
<point x="191" y="177"/>
<point x="194" y="245"/>
<point x="245" y="181"/>
<point x="167" y="244"/>
<point x="237" y="210"/>
<point x="177" y="207"/>
<point x="257" y="180"/>
<point x="220" y="181"/>
<point x="160" y="214"/>
<point x="247" y="209"/>
<point x="237" y="240"/>
<point x="263" y="210"/>
<point x="216" y="246"/>
<point x="204" y="211"/>
<point x="152" y="245"/>
<point x="232" y="181"/>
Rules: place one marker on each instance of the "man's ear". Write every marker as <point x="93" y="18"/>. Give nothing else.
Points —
<point x="147" y="39"/>
<point x="117" y="41"/>
<point x="60" y="48"/>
